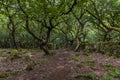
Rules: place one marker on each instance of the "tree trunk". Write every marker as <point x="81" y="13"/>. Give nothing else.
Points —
<point x="44" y="48"/>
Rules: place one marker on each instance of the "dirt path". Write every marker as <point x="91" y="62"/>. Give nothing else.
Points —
<point x="59" y="68"/>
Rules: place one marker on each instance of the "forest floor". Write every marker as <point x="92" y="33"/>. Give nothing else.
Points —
<point x="64" y="65"/>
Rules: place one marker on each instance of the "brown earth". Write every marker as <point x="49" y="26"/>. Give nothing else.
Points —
<point x="60" y="66"/>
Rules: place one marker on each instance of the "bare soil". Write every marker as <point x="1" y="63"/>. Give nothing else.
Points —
<point x="60" y="66"/>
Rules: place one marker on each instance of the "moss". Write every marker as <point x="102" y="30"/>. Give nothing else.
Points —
<point x="114" y="72"/>
<point x="75" y="58"/>
<point x="1" y="54"/>
<point x="13" y="54"/>
<point x="52" y="52"/>
<point x="15" y="72"/>
<point x="116" y="53"/>
<point x="85" y="54"/>
<point x="107" y="52"/>
<point x="80" y="65"/>
<point x="77" y="54"/>
<point x="29" y="67"/>
<point x="108" y="77"/>
<point x="23" y="51"/>
<point x="4" y="75"/>
<point x="90" y="60"/>
<point x="107" y="65"/>
<point x="27" y="58"/>
<point x="93" y="68"/>
<point x="87" y="76"/>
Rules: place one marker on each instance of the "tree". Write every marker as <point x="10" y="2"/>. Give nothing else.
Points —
<point x="47" y="21"/>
